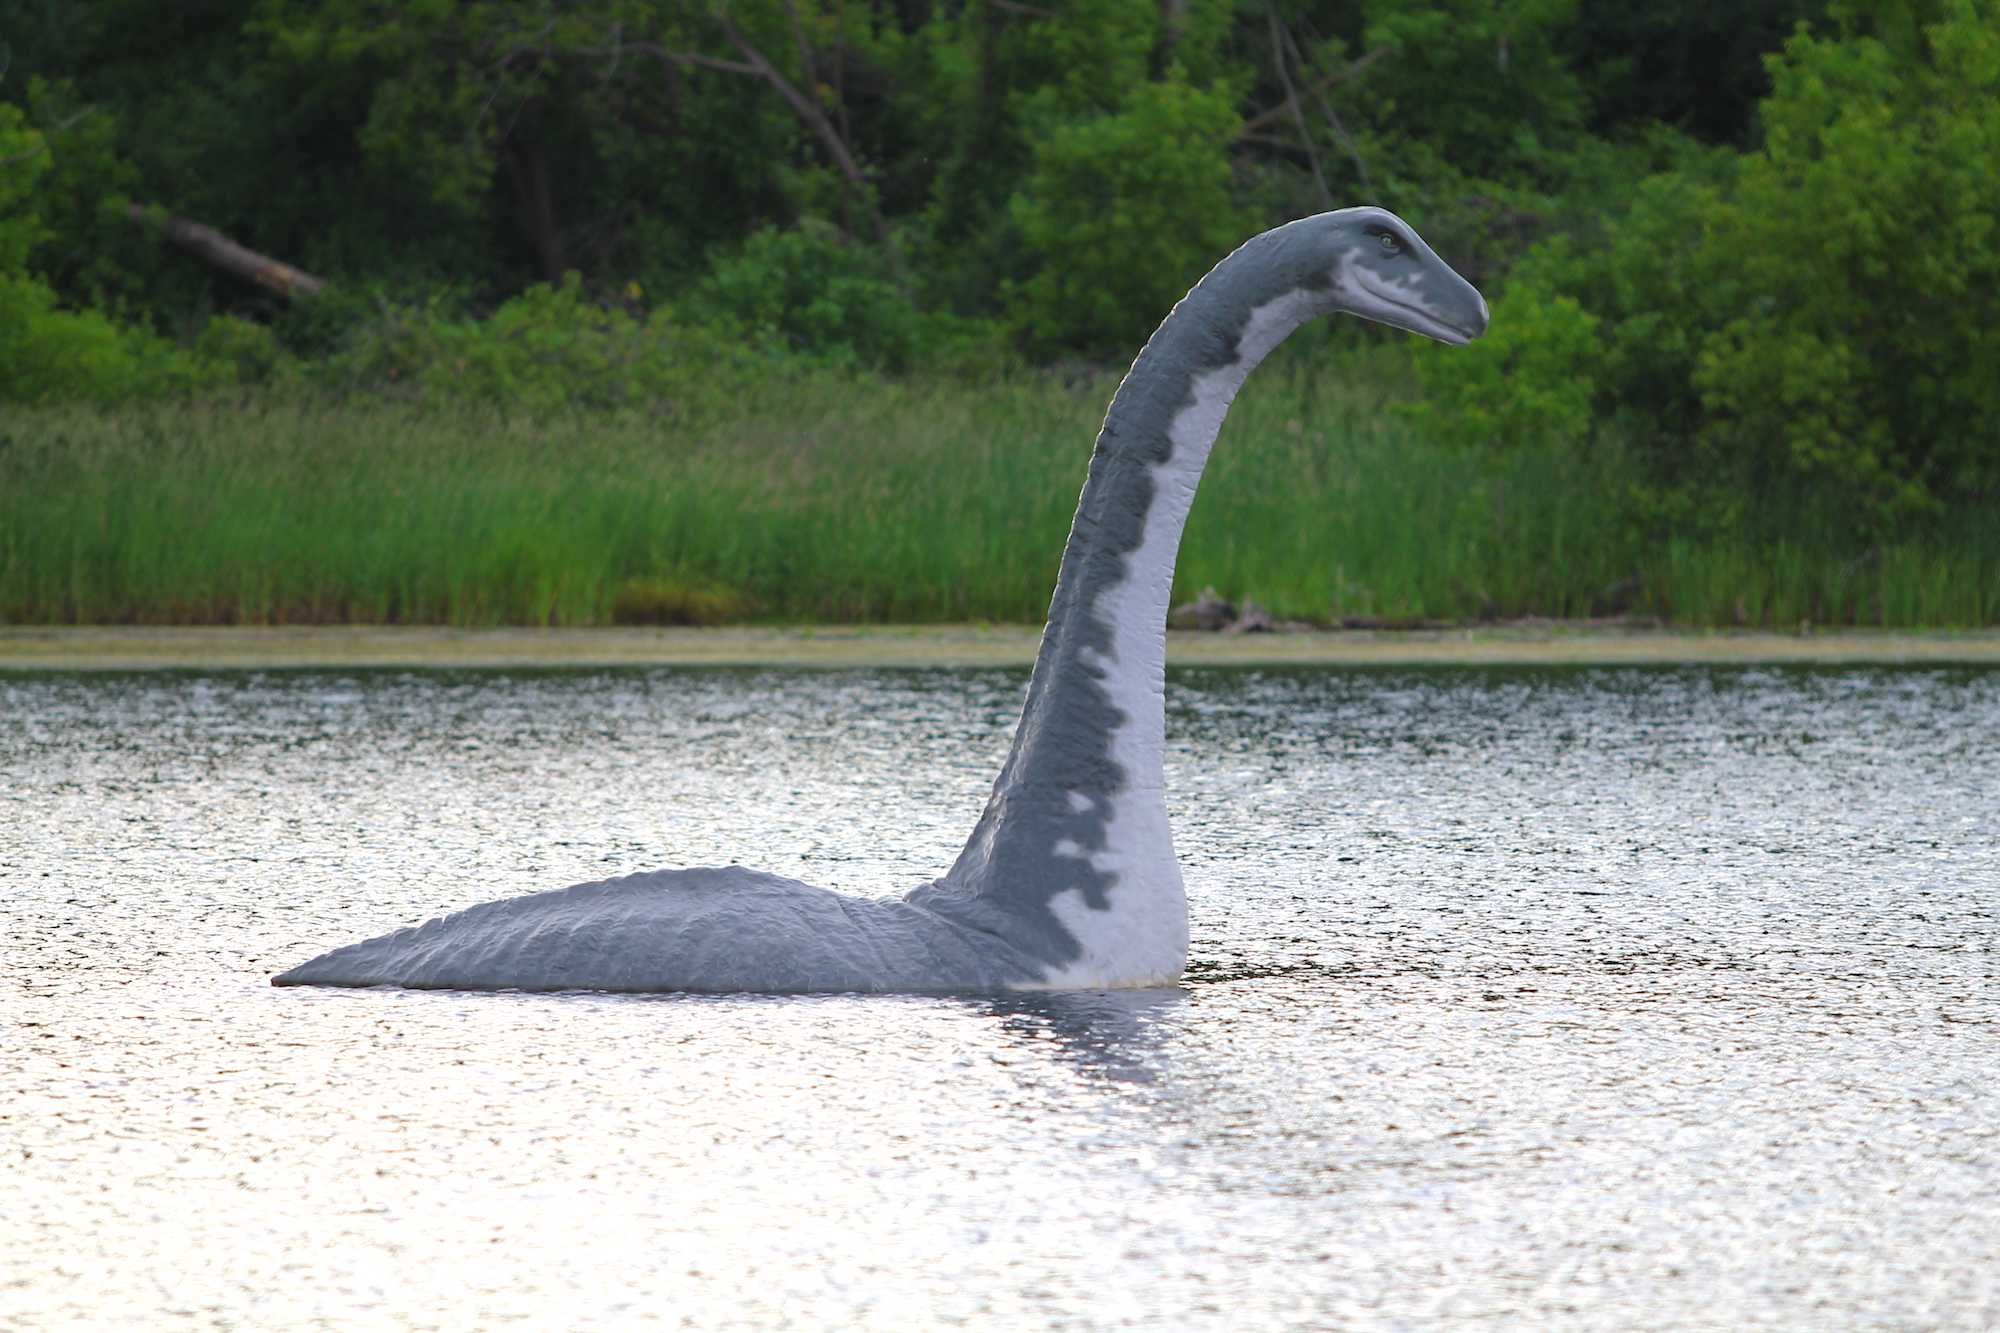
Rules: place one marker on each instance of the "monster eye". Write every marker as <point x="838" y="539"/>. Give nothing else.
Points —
<point x="1389" y="244"/>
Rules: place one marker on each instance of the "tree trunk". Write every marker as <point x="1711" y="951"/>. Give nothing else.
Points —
<point x="1173" y="26"/>
<point x="226" y="254"/>
<point x="528" y="171"/>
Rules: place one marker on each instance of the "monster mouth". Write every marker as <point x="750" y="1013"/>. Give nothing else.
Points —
<point x="1379" y="304"/>
<point x="1418" y="320"/>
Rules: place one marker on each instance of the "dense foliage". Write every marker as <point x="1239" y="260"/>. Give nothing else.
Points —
<point x="1825" y="309"/>
<point x="1065" y="170"/>
<point x="1744" y="247"/>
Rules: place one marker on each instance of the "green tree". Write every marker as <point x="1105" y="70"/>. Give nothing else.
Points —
<point x="532" y="109"/>
<point x="458" y="151"/>
<point x="23" y="161"/>
<point x="1863" y="256"/>
<point x="1480" y="85"/>
<point x="48" y="354"/>
<point x="88" y="249"/>
<point x="1826" y="311"/>
<point x="1693" y="64"/>
<point x="806" y="292"/>
<point x="986" y="85"/>
<point x="1126" y="211"/>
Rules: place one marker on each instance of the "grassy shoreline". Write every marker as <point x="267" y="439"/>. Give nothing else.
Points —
<point x="867" y="502"/>
<point x="128" y="648"/>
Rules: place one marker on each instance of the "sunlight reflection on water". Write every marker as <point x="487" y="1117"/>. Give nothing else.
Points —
<point x="1550" y="1000"/>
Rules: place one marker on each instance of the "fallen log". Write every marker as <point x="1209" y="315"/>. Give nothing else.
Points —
<point x="225" y="254"/>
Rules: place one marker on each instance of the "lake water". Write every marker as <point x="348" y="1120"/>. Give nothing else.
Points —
<point x="1520" y="1000"/>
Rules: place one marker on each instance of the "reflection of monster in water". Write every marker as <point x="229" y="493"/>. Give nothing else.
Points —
<point x="1116" y="1035"/>
<point x="1069" y="879"/>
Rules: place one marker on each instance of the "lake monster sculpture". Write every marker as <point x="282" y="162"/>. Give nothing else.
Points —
<point x="1069" y="879"/>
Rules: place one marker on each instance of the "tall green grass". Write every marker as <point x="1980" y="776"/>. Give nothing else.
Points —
<point x="866" y="501"/>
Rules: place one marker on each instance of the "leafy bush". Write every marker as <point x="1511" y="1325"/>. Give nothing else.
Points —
<point x="233" y="351"/>
<point x="88" y="249"/>
<point x="549" y="348"/>
<point x="1863" y="343"/>
<point x="804" y="291"/>
<point x="1126" y="212"/>
<point x="1482" y="85"/>
<point x="1528" y="383"/>
<point x="48" y="354"/>
<point x="1827" y="312"/>
<point x="26" y="156"/>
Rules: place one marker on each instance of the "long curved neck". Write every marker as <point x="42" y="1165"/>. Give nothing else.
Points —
<point x="1073" y="858"/>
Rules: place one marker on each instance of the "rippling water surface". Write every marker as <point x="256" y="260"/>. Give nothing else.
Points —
<point x="1586" y="1000"/>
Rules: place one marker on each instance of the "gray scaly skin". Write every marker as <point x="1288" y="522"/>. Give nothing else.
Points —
<point x="1069" y="879"/>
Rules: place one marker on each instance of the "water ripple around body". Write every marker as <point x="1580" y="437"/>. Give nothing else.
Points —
<point x="1593" y="1000"/>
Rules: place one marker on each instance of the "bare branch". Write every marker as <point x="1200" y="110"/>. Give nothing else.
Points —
<point x="840" y="68"/>
<point x="43" y="146"/>
<point x="1278" y="60"/>
<point x="809" y="112"/>
<point x="662" y="54"/>
<point x="1339" y="130"/>
<point x="799" y="44"/>
<point x="1284" y="141"/>
<point x="1347" y="142"/>
<point x="1318" y="86"/>
<point x="755" y="65"/>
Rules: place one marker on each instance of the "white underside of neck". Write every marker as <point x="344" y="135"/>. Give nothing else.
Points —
<point x="1141" y="939"/>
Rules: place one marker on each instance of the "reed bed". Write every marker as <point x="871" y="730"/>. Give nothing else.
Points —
<point x="872" y="501"/>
